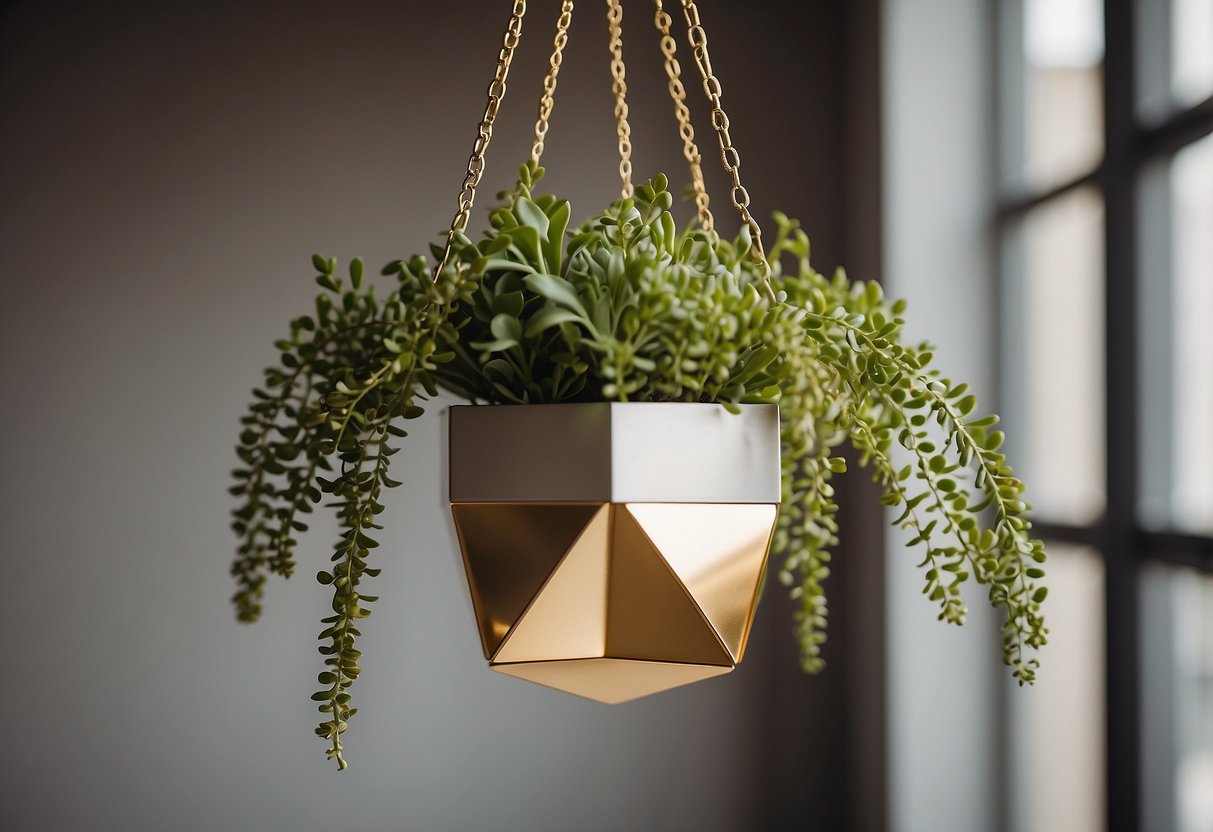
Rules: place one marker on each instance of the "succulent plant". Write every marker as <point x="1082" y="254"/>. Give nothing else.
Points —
<point x="627" y="307"/>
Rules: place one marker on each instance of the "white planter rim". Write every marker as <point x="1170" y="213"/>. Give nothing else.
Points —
<point x="614" y="452"/>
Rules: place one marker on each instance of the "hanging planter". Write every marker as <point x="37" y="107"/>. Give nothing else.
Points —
<point x="614" y="550"/>
<point x="652" y="410"/>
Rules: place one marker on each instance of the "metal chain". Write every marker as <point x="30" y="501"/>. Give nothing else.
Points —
<point x="619" y="86"/>
<point x="673" y="70"/>
<point x="720" y="122"/>
<point x="549" y="80"/>
<point x="484" y="133"/>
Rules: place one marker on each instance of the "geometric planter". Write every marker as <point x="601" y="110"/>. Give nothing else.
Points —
<point x="614" y="550"/>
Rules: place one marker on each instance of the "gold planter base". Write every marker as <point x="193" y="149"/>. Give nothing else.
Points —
<point x="610" y="680"/>
<point x="614" y="551"/>
<point x="614" y="601"/>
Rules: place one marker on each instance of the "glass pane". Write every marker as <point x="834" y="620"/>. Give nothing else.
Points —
<point x="1053" y="99"/>
<point x="1177" y="307"/>
<point x="1177" y="699"/>
<point x="1056" y="736"/>
<point x="1053" y="353"/>
<point x="1175" y="54"/>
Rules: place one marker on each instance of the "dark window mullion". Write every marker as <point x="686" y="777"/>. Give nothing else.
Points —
<point x="1130" y="146"/>
<point x="1177" y="131"/>
<point x="1151" y="141"/>
<point x="1178" y="549"/>
<point x="1066" y="533"/>
<point x="1015" y="205"/>
<point x="1121" y="379"/>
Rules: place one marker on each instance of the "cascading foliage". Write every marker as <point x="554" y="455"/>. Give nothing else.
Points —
<point x="626" y="308"/>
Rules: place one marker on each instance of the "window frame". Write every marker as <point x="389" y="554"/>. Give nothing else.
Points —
<point x="1124" y="543"/>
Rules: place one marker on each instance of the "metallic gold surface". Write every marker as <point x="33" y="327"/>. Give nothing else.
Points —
<point x="547" y="99"/>
<point x="611" y="680"/>
<point x="567" y="619"/>
<point x="613" y="601"/>
<point x="650" y="614"/>
<point x="619" y="88"/>
<point x="686" y="130"/>
<point x="614" y="550"/>
<point x="484" y="132"/>
<point x="717" y="552"/>
<point x="697" y="36"/>
<point x="509" y="551"/>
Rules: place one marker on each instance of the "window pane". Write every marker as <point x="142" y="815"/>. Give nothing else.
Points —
<point x="1175" y="54"/>
<point x="1178" y="699"/>
<point x="1177" y="368"/>
<point x="1053" y="113"/>
<point x="1192" y="63"/>
<point x="1056" y="736"/>
<point x="1053" y="356"/>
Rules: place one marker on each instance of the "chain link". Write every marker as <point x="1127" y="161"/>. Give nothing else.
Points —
<point x="720" y="123"/>
<point x="698" y="40"/>
<point x="690" y="151"/>
<point x="484" y="133"/>
<point x="619" y="86"/>
<point x="549" y="80"/>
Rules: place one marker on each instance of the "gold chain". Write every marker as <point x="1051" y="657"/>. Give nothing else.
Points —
<point x="686" y="130"/>
<point x="484" y="133"/>
<point x="620" y="87"/>
<point x="720" y="122"/>
<point x="549" y="80"/>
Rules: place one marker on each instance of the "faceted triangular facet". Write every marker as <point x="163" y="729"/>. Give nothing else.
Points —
<point x="509" y="551"/>
<point x="567" y="618"/>
<point x="718" y="552"/>
<point x="611" y="680"/>
<point x="649" y="613"/>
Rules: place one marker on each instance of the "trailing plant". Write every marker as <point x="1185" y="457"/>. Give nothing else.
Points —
<point x="626" y="307"/>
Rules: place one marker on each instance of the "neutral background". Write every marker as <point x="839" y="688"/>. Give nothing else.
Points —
<point x="165" y="172"/>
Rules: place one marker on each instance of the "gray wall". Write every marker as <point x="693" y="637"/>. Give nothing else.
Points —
<point x="945" y="719"/>
<point x="165" y="172"/>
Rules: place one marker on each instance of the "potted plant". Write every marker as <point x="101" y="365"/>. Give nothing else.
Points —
<point x="652" y="410"/>
<point x="624" y="308"/>
<point x="614" y="549"/>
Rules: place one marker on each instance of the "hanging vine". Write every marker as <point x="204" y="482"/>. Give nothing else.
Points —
<point x="626" y="307"/>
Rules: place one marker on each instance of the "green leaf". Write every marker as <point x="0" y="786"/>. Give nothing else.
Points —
<point x="530" y="214"/>
<point x="485" y="265"/>
<point x="506" y="328"/>
<point x="556" y="289"/>
<point x="548" y="317"/>
<point x="526" y="238"/>
<point x="508" y="303"/>
<point x="553" y="247"/>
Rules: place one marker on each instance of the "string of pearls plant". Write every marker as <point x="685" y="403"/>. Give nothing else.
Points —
<point x="626" y="307"/>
